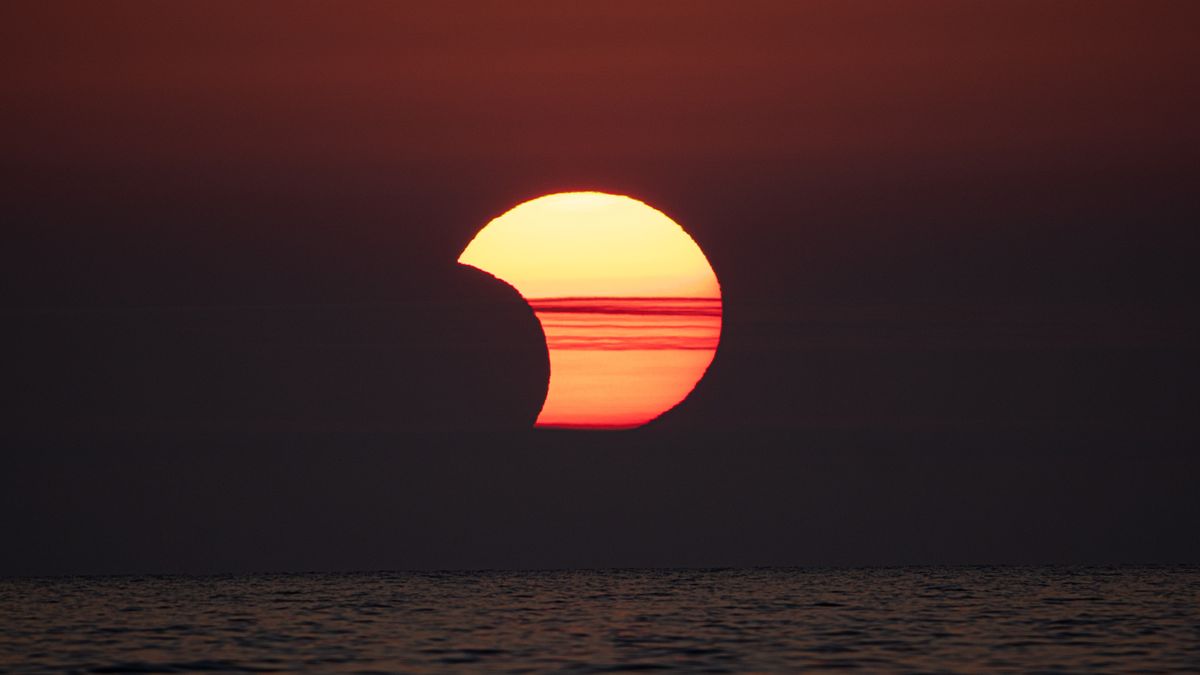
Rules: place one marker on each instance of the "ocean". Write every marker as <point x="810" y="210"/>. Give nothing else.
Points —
<point x="957" y="619"/>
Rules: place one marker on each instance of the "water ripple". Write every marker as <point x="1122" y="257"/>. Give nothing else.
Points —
<point x="897" y="620"/>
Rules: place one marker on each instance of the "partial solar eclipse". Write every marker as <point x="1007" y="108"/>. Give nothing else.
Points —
<point x="630" y="306"/>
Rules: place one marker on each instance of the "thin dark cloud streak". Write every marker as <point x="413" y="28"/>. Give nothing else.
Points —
<point x="682" y="306"/>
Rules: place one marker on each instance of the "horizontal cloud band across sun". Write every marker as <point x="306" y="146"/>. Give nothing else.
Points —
<point x="630" y="323"/>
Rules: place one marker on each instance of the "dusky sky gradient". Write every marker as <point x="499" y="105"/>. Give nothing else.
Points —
<point x="956" y="245"/>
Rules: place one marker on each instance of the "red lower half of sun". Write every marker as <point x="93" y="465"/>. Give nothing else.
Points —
<point x="620" y="362"/>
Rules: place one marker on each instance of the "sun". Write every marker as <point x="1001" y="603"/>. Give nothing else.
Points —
<point x="630" y="305"/>
<point x="592" y="244"/>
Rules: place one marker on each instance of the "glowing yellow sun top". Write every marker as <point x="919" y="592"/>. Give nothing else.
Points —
<point x="591" y="244"/>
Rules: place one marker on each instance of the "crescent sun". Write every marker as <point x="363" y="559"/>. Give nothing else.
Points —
<point x="629" y="304"/>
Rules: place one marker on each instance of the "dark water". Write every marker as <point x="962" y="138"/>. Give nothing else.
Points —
<point x="913" y="619"/>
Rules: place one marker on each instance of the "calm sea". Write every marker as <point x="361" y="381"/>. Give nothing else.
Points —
<point x="910" y="619"/>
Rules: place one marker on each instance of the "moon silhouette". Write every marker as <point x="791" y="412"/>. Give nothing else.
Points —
<point x="461" y="352"/>
<point x="630" y="306"/>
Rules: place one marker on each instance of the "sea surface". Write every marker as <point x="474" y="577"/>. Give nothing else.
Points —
<point x="1032" y="619"/>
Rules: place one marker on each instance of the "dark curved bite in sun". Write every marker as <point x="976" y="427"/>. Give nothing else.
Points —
<point x="462" y="351"/>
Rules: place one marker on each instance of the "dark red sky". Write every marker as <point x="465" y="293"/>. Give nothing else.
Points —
<point x="924" y="215"/>
<point x="842" y="132"/>
<point x="944" y="159"/>
<point x="837" y="85"/>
